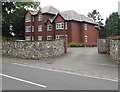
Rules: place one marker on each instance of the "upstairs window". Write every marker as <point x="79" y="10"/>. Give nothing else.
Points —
<point x="60" y="25"/>
<point x="39" y="28"/>
<point x="33" y="19"/>
<point x="28" y="29"/>
<point x="85" y="26"/>
<point x="65" y="25"/>
<point x="28" y="19"/>
<point x="49" y="27"/>
<point x="39" y="17"/>
<point x="32" y="28"/>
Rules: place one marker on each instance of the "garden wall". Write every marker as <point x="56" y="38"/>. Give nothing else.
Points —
<point x="33" y="50"/>
<point x="115" y="49"/>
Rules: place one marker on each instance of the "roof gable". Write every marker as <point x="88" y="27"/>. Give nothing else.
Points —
<point x="48" y="20"/>
<point x="50" y="9"/>
<point x="66" y="15"/>
<point x="57" y="16"/>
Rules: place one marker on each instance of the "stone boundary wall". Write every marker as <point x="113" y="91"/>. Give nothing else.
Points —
<point x="115" y="49"/>
<point x="33" y="50"/>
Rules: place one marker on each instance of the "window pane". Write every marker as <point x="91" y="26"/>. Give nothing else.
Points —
<point x="32" y="38"/>
<point x="40" y="18"/>
<point x="27" y="38"/>
<point x="32" y="28"/>
<point x="28" y="19"/>
<point x="65" y="25"/>
<point x="28" y="28"/>
<point x="85" y="26"/>
<point x="49" y="27"/>
<point x="33" y="19"/>
<point x="39" y="28"/>
<point x="60" y="25"/>
<point x="40" y="38"/>
<point x="49" y="37"/>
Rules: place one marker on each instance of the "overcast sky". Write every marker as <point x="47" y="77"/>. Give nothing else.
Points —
<point x="105" y="7"/>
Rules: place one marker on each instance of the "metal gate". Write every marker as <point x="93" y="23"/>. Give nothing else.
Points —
<point x="102" y="46"/>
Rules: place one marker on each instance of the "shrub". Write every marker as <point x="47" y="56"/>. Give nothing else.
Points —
<point x="75" y="45"/>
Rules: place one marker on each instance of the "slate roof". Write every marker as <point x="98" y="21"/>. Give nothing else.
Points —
<point x="33" y="12"/>
<point x="67" y="15"/>
<point x="49" y="9"/>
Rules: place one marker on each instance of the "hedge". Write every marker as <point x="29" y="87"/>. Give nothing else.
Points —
<point x="76" y="45"/>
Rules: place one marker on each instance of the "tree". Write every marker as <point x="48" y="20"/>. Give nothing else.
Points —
<point x="13" y="16"/>
<point x="112" y="25"/>
<point x="96" y="17"/>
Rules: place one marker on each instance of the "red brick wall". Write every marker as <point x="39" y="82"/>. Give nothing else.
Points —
<point x="36" y="23"/>
<point x="91" y="32"/>
<point x="75" y="31"/>
<point x="60" y="31"/>
<point x="52" y="32"/>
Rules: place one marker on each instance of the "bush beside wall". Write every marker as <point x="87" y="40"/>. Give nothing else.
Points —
<point x="75" y="45"/>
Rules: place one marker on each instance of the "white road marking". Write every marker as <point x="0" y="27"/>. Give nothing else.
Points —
<point x="68" y="72"/>
<point x="18" y="79"/>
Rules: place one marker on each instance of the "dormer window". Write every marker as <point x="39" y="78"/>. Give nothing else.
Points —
<point x="85" y="26"/>
<point x="28" y="19"/>
<point x="39" y="17"/>
<point x="49" y="27"/>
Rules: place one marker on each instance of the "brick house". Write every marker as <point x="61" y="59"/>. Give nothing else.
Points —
<point x="52" y="24"/>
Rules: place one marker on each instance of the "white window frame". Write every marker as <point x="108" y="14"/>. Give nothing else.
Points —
<point x="28" y="19"/>
<point x="27" y="38"/>
<point x="32" y="28"/>
<point x="59" y="25"/>
<point x="58" y="36"/>
<point x="39" y="28"/>
<point x="86" y="38"/>
<point x="65" y="25"/>
<point x="28" y="29"/>
<point x="32" y="38"/>
<point x="39" y="17"/>
<point x="49" y="37"/>
<point x="33" y="18"/>
<point x="49" y="27"/>
<point x="39" y="38"/>
<point x="85" y="27"/>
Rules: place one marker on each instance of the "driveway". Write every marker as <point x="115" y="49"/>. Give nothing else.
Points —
<point x="84" y="61"/>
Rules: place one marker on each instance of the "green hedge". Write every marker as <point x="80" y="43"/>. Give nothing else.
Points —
<point x="76" y="45"/>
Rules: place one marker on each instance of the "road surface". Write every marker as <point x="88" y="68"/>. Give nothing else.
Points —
<point x="18" y="77"/>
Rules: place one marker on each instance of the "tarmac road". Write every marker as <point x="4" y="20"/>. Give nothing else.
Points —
<point x="17" y="77"/>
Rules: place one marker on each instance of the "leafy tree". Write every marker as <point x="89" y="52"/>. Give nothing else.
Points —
<point x="13" y="16"/>
<point x="96" y="17"/>
<point x="112" y="25"/>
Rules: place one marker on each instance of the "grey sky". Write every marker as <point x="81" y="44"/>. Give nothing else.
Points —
<point x="105" y="7"/>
